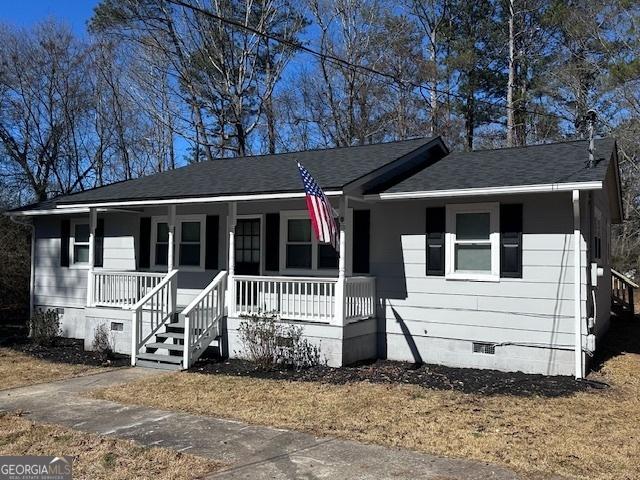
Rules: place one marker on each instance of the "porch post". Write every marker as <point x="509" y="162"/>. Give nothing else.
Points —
<point x="171" y="224"/>
<point x="93" y="222"/>
<point x="342" y="262"/>
<point x="231" y="262"/>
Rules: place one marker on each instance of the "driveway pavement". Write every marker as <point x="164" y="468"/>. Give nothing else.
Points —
<point x="250" y="451"/>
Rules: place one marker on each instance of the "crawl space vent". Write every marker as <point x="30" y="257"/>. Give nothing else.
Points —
<point x="487" y="348"/>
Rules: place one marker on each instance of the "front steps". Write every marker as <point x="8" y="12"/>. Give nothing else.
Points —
<point x="166" y="351"/>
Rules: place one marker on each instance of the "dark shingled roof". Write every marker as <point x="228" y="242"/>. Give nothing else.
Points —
<point x="564" y="162"/>
<point x="332" y="168"/>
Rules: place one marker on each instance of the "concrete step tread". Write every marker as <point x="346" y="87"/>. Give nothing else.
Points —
<point x="177" y="335"/>
<point x="159" y="366"/>
<point x="174" y="359"/>
<point x="166" y="346"/>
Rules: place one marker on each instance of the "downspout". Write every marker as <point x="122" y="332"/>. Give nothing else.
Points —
<point x="577" y="290"/>
<point x="32" y="276"/>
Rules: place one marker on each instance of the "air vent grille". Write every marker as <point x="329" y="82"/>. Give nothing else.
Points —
<point x="486" y="348"/>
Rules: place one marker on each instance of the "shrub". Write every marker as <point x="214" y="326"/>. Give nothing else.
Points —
<point x="269" y="343"/>
<point x="44" y="327"/>
<point x="103" y="341"/>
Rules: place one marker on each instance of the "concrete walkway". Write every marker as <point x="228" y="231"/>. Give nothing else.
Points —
<point x="250" y="451"/>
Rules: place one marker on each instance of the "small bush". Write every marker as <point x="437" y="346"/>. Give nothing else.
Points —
<point x="268" y="343"/>
<point x="45" y="327"/>
<point x="103" y="341"/>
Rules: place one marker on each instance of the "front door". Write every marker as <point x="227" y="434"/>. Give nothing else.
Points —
<point x="247" y="249"/>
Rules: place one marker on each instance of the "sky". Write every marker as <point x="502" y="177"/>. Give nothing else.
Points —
<point x="25" y="13"/>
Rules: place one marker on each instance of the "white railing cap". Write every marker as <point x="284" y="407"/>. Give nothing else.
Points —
<point x="155" y="290"/>
<point x="624" y="278"/>
<point x="264" y="278"/>
<point x="216" y="281"/>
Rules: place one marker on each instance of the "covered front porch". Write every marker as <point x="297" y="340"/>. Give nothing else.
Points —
<point x="300" y="284"/>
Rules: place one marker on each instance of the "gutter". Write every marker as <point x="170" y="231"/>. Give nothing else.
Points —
<point x="463" y="192"/>
<point x="191" y="200"/>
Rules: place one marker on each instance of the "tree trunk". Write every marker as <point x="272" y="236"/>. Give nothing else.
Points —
<point x="511" y="81"/>
<point x="434" y="85"/>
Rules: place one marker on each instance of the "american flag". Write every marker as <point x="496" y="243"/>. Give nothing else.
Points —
<point x="320" y="210"/>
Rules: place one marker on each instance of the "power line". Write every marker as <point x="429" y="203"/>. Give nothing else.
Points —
<point x="353" y="66"/>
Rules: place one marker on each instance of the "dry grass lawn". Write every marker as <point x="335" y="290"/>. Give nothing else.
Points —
<point x="98" y="457"/>
<point x="18" y="369"/>
<point x="589" y="435"/>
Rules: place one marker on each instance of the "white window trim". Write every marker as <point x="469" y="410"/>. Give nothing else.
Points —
<point x="494" y="239"/>
<point x="177" y="238"/>
<point x="72" y="243"/>
<point x="287" y="215"/>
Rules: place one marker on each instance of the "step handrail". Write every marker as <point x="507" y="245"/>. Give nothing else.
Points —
<point x="167" y="310"/>
<point x="623" y="278"/>
<point x="212" y="298"/>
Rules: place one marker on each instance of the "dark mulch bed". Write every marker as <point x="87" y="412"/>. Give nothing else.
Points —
<point x="67" y="350"/>
<point x="467" y="380"/>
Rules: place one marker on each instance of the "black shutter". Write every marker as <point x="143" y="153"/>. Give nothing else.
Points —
<point x="435" y="241"/>
<point x="65" y="227"/>
<point x="99" y="244"/>
<point x="361" y="241"/>
<point x="272" y="242"/>
<point x="511" y="241"/>
<point x="211" y="247"/>
<point x="144" y="249"/>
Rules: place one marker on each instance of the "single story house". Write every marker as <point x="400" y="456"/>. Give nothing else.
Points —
<point x="490" y="259"/>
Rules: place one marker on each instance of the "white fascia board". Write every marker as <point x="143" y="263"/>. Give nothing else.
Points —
<point x="466" y="192"/>
<point x="55" y="211"/>
<point x="195" y="200"/>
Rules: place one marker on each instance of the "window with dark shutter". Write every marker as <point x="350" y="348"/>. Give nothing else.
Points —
<point x="65" y="228"/>
<point x="361" y="240"/>
<point x="272" y="242"/>
<point x="511" y="241"/>
<point x="144" y="249"/>
<point x="435" y="241"/>
<point x="99" y="244"/>
<point x="211" y="243"/>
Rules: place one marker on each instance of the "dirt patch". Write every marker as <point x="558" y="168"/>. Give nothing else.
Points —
<point x="68" y="350"/>
<point x="98" y="457"/>
<point x="467" y="380"/>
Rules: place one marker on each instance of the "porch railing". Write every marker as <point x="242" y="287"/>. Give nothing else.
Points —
<point x="202" y="318"/>
<point x="310" y="299"/>
<point x="622" y="289"/>
<point x="360" y="298"/>
<point x="121" y="289"/>
<point x="152" y="311"/>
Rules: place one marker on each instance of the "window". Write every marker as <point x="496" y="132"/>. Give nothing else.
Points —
<point x="80" y="244"/>
<point x="190" y="244"/>
<point x="597" y="234"/>
<point x="162" y="243"/>
<point x="301" y="250"/>
<point x="473" y="242"/>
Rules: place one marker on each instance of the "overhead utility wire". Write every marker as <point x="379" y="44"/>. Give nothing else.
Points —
<point x="353" y="66"/>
